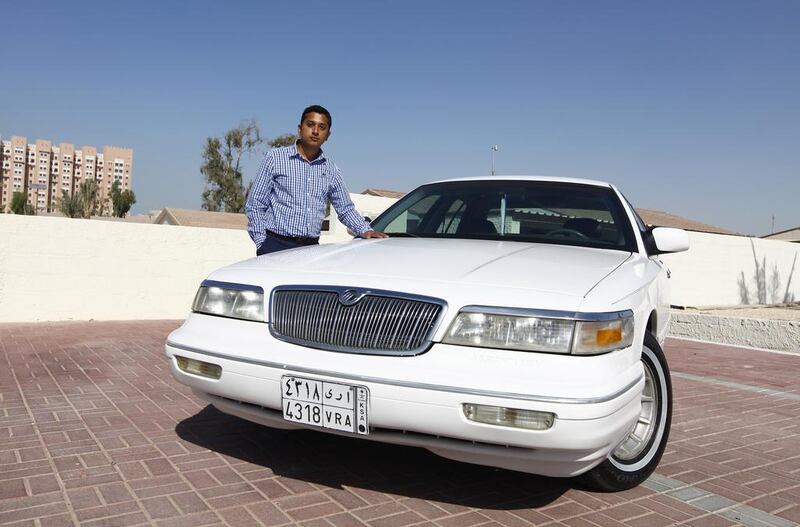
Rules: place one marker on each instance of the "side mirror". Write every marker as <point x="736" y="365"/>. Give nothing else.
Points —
<point x="669" y="240"/>
<point x="367" y="219"/>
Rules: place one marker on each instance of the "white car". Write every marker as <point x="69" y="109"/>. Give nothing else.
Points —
<point x="514" y="322"/>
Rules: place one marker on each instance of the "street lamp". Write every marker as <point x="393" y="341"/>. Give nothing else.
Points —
<point x="493" y="149"/>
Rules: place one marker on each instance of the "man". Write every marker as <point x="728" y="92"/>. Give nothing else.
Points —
<point x="286" y="205"/>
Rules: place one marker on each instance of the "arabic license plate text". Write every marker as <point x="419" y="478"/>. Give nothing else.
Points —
<point x="325" y="404"/>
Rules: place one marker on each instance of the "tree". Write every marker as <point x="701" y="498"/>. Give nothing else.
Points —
<point x="222" y="167"/>
<point x="121" y="201"/>
<point x="283" y="140"/>
<point x="88" y="191"/>
<point x="70" y="205"/>
<point x="20" y="205"/>
<point x="83" y="202"/>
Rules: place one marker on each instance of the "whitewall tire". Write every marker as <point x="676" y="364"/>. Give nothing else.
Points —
<point x="637" y="456"/>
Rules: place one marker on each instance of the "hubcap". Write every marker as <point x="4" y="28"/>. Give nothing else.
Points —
<point x="643" y="430"/>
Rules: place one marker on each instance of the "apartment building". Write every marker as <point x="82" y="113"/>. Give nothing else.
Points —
<point x="43" y="171"/>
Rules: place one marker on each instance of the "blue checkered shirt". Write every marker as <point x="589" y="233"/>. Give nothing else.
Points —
<point x="290" y="193"/>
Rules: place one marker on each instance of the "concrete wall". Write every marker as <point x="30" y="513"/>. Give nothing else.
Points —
<point x="780" y="335"/>
<point x="55" y="268"/>
<point x="71" y="269"/>
<point x="721" y="270"/>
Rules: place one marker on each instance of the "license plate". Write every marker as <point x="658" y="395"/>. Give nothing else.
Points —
<point x="325" y="404"/>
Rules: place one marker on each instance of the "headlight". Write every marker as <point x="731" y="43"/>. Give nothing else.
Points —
<point x="548" y="331"/>
<point x="490" y="330"/>
<point x="230" y="300"/>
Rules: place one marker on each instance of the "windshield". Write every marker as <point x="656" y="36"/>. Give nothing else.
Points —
<point x="526" y="211"/>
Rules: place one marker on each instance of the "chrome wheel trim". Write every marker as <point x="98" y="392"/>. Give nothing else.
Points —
<point x="647" y="423"/>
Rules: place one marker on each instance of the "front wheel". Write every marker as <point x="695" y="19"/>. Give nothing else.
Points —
<point x="637" y="456"/>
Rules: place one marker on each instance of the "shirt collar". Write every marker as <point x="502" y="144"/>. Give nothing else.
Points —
<point x="294" y="153"/>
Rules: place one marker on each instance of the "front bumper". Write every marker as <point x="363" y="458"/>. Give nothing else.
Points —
<point x="426" y="409"/>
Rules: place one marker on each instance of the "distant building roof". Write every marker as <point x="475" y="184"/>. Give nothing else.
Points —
<point x="665" y="219"/>
<point x="202" y="218"/>
<point x="139" y="218"/>
<point x="383" y="193"/>
<point x="149" y="217"/>
<point x="789" y="235"/>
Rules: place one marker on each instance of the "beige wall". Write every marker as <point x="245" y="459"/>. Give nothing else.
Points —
<point x="710" y="272"/>
<point x="55" y="268"/>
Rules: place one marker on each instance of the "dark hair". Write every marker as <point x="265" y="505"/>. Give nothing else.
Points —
<point x="316" y="108"/>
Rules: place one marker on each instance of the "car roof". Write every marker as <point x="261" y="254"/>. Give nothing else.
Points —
<point x="530" y="178"/>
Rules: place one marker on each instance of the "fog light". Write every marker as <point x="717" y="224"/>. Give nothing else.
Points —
<point x="497" y="415"/>
<point x="196" y="367"/>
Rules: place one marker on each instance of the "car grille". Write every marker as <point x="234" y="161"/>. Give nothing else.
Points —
<point x="381" y="322"/>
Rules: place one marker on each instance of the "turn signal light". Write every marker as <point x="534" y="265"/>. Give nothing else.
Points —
<point x="511" y="417"/>
<point x="197" y="367"/>
<point x="607" y="337"/>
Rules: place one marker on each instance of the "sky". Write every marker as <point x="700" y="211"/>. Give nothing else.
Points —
<point x="689" y="107"/>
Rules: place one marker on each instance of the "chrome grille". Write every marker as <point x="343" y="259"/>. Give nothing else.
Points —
<point x="381" y="322"/>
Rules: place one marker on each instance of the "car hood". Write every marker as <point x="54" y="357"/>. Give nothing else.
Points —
<point x="409" y="263"/>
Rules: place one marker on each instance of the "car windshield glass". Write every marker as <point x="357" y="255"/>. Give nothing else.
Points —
<point x="528" y="211"/>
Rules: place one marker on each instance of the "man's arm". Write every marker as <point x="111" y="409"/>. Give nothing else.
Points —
<point x="258" y="201"/>
<point x="346" y="211"/>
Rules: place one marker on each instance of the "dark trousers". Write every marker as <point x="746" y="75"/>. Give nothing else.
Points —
<point x="273" y="245"/>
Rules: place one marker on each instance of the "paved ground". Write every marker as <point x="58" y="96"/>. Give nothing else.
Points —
<point x="94" y="431"/>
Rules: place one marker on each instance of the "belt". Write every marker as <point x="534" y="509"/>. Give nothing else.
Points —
<point x="300" y="240"/>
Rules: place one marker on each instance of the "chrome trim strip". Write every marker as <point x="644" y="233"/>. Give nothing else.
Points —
<point x="232" y="285"/>
<point x="418" y="385"/>
<point x="548" y="313"/>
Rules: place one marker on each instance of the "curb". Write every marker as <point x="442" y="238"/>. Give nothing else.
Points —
<point x="776" y="335"/>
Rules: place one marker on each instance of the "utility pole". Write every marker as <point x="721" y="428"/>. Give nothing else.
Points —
<point x="493" y="149"/>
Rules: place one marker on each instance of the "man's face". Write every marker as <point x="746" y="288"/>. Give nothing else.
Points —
<point x="314" y="130"/>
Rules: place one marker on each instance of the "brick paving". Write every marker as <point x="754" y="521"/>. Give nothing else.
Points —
<point x="95" y="432"/>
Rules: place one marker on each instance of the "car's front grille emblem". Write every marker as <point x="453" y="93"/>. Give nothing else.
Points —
<point x="350" y="297"/>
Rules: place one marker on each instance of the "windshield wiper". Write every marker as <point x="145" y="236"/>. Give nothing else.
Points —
<point x="402" y="235"/>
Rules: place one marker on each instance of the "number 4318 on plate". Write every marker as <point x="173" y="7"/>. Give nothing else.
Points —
<point x="325" y="404"/>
